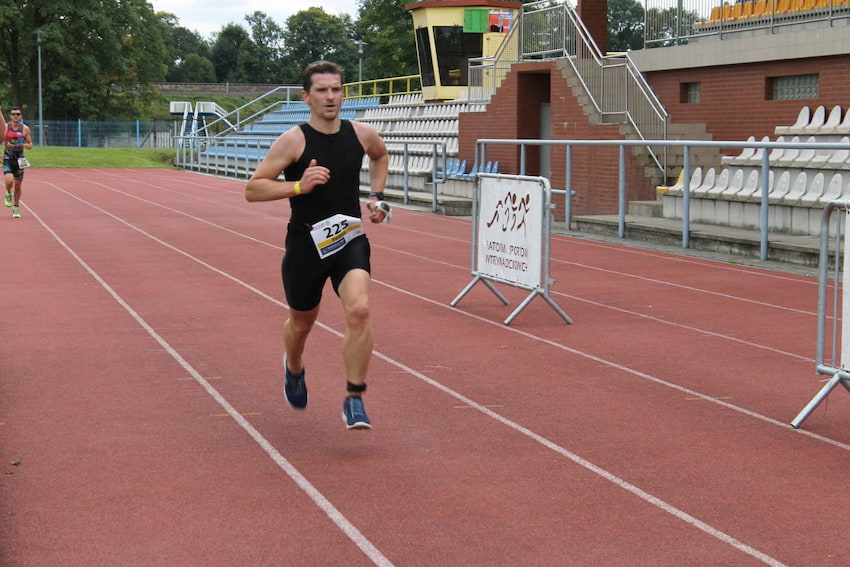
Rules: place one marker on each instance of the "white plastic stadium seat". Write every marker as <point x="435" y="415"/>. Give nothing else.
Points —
<point x="798" y="189"/>
<point x="834" y="190"/>
<point x="803" y="120"/>
<point x="790" y="155"/>
<point x="743" y="157"/>
<point x="832" y="122"/>
<point x="707" y="183"/>
<point x="721" y="183"/>
<point x="841" y="158"/>
<point x="813" y="191"/>
<point x="818" y="118"/>
<point x="735" y="185"/>
<point x="783" y="185"/>
<point x="750" y="188"/>
<point x="844" y="127"/>
<point x="806" y="154"/>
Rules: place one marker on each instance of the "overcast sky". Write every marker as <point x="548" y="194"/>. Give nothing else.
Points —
<point x="208" y="16"/>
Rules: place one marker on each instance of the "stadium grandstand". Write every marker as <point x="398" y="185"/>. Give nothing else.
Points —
<point x="770" y="72"/>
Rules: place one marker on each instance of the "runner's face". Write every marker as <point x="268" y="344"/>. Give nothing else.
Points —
<point x="325" y="96"/>
<point x="16" y="117"/>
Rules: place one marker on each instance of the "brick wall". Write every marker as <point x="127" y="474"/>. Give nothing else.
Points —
<point x="513" y="113"/>
<point x="594" y="14"/>
<point x="735" y="101"/>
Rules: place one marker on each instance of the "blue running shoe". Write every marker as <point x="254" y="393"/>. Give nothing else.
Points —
<point x="294" y="388"/>
<point x="354" y="415"/>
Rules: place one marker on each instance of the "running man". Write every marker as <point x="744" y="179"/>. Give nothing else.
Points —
<point x="18" y="138"/>
<point x="321" y="161"/>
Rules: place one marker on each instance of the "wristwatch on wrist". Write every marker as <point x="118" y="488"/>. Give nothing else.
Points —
<point x="377" y="194"/>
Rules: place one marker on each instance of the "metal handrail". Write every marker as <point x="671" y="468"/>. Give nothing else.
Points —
<point x="233" y="126"/>
<point x="564" y="36"/>
<point x="687" y="145"/>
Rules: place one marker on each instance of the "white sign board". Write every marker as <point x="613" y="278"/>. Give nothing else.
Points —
<point x="510" y="230"/>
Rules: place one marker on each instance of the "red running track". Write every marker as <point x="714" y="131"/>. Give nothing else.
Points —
<point x="142" y="420"/>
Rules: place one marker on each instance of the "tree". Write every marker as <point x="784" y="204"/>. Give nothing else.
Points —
<point x="390" y="49"/>
<point x="99" y="57"/>
<point x="188" y="51"/>
<point x="625" y="25"/>
<point x="225" y="52"/>
<point x="260" y="56"/>
<point x="313" y="34"/>
<point x="667" y="26"/>
<point x="193" y="69"/>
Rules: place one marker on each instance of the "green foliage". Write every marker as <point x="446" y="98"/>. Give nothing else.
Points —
<point x="665" y="32"/>
<point x="390" y="48"/>
<point x="260" y="55"/>
<point x="625" y="25"/>
<point x="313" y="34"/>
<point x="195" y="68"/>
<point x="188" y="52"/>
<point x="225" y="52"/>
<point x="98" y="56"/>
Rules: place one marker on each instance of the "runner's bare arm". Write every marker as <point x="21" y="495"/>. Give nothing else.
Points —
<point x="27" y="138"/>
<point x="264" y="184"/>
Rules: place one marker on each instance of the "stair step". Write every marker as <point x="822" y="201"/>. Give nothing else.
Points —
<point x="652" y="209"/>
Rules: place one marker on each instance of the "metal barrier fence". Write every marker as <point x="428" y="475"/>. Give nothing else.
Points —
<point x="686" y="145"/>
<point x="222" y="156"/>
<point x="511" y="238"/>
<point x="105" y="134"/>
<point x="672" y="22"/>
<point x="837" y="366"/>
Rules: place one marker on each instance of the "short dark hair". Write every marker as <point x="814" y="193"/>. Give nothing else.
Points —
<point x="319" y="67"/>
<point x="16" y="108"/>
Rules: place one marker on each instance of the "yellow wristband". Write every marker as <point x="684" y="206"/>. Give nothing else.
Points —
<point x="297" y="188"/>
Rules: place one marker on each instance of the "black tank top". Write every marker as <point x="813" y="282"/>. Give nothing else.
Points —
<point x="342" y="154"/>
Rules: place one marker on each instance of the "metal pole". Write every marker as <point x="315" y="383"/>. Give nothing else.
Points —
<point x="763" y="212"/>
<point x="359" y="60"/>
<point x="686" y="202"/>
<point x="621" y="194"/>
<point x="40" y="111"/>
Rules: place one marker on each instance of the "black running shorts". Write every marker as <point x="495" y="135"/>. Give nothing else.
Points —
<point x="305" y="274"/>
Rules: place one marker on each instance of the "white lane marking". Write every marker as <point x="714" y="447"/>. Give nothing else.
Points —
<point x="618" y="481"/>
<point x="605" y="306"/>
<point x="619" y="309"/>
<point x="660" y="282"/>
<point x="499" y="325"/>
<point x="300" y="480"/>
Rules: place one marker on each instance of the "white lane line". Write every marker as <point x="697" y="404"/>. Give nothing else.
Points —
<point x="602" y="361"/>
<point x="605" y="306"/>
<point x="562" y="238"/>
<point x="619" y="309"/>
<point x="653" y="280"/>
<point x="626" y="249"/>
<point x="175" y="211"/>
<point x="595" y="469"/>
<point x="618" y="481"/>
<point x="300" y="480"/>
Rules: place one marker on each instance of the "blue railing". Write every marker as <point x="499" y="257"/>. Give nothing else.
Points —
<point x="105" y="134"/>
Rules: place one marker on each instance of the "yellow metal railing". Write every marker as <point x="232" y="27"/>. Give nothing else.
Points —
<point x="409" y="84"/>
